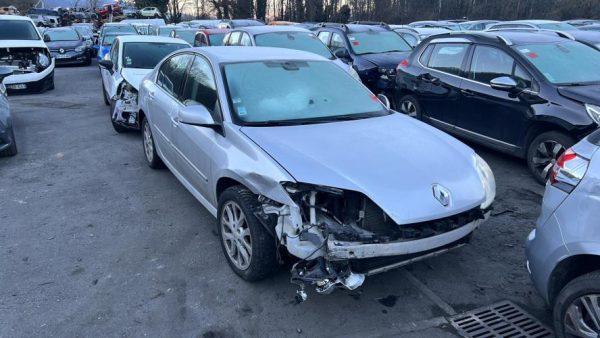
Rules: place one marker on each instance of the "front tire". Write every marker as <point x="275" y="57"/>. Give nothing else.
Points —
<point x="150" y="153"/>
<point x="410" y="106"/>
<point x="248" y="247"/>
<point x="543" y="152"/>
<point x="577" y="307"/>
<point x="12" y="150"/>
<point x="116" y="126"/>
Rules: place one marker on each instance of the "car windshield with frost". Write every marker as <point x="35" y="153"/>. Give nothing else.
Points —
<point x="272" y="93"/>
<point x="294" y="40"/>
<point x="374" y="42"/>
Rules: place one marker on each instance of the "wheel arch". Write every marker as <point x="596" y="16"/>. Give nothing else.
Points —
<point x="539" y="127"/>
<point x="569" y="269"/>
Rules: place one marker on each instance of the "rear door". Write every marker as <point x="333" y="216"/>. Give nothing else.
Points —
<point x="489" y="113"/>
<point x="440" y="82"/>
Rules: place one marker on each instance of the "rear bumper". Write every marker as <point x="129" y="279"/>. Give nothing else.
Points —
<point x="338" y="250"/>
<point x="30" y="82"/>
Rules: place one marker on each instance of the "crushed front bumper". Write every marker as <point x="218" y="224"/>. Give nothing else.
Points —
<point x="33" y="82"/>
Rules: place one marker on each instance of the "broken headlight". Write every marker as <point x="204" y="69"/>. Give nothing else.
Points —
<point x="43" y="60"/>
<point x="487" y="180"/>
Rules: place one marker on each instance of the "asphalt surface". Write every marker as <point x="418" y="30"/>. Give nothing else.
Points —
<point x="94" y="243"/>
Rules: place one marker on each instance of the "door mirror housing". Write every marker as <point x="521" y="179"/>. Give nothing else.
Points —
<point x="5" y="72"/>
<point x="47" y="38"/>
<point x="504" y="83"/>
<point x="384" y="100"/>
<point x="106" y="64"/>
<point x="342" y="53"/>
<point x="197" y="115"/>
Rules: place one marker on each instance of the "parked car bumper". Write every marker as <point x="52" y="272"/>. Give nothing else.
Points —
<point x="71" y="58"/>
<point x="30" y="82"/>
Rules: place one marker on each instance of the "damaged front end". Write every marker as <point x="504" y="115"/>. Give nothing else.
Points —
<point x="125" y="107"/>
<point x="31" y="68"/>
<point x="342" y="236"/>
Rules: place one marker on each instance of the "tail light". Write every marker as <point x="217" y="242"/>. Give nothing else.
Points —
<point x="403" y="64"/>
<point x="568" y="171"/>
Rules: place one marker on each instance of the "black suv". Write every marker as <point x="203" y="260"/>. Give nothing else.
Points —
<point x="373" y="50"/>
<point x="525" y="93"/>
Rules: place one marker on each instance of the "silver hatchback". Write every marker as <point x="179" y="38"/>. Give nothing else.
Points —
<point x="290" y="153"/>
<point x="563" y="252"/>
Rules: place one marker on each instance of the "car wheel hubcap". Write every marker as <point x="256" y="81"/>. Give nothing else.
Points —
<point x="545" y="156"/>
<point x="408" y="108"/>
<point x="236" y="235"/>
<point x="583" y="317"/>
<point x="148" y="143"/>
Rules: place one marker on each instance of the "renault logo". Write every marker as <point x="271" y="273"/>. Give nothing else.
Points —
<point x="441" y="194"/>
<point x="62" y="51"/>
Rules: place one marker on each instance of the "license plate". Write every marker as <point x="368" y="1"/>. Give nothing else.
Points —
<point x="62" y="56"/>
<point x="17" y="86"/>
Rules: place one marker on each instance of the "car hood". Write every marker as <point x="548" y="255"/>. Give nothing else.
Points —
<point x="386" y="60"/>
<point x="22" y="43"/>
<point x="134" y="76"/>
<point x="583" y="94"/>
<point x="63" y="44"/>
<point x="394" y="160"/>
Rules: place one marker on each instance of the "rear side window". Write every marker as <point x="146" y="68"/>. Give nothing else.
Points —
<point x="448" y="57"/>
<point x="172" y="73"/>
<point x="424" y="59"/>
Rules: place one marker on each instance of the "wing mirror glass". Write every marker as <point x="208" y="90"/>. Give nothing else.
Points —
<point x="5" y="72"/>
<point x="197" y="115"/>
<point x="504" y="83"/>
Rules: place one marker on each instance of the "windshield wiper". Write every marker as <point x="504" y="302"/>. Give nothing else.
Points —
<point x="324" y="119"/>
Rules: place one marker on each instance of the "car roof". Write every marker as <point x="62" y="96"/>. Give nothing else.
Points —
<point x="15" y="17"/>
<point x="254" y="30"/>
<point x="242" y="54"/>
<point x="534" y="22"/>
<point x="587" y="36"/>
<point x="510" y="37"/>
<point x="210" y="31"/>
<point x="150" y="38"/>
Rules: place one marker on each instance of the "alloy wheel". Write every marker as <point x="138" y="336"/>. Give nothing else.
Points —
<point x="545" y="156"/>
<point x="148" y="142"/>
<point x="235" y="234"/>
<point x="408" y="108"/>
<point x="582" y="318"/>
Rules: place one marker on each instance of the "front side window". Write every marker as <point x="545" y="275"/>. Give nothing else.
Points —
<point x="337" y="41"/>
<point x="146" y="55"/>
<point x="18" y="30"/>
<point x="201" y="88"/>
<point x="294" y="40"/>
<point x="324" y="37"/>
<point x="489" y="63"/>
<point x="448" y="57"/>
<point x="564" y="63"/>
<point x="172" y="73"/>
<point x="234" y="39"/>
<point x="373" y="42"/>
<point x="291" y="92"/>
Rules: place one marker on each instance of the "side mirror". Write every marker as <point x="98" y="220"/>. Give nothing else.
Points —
<point x="384" y="100"/>
<point x="342" y="53"/>
<point x="504" y="83"/>
<point x="5" y="72"/>
<point x="197" y="115"/>
<point x="107" y="64"/>
<point x="47" y="38"/>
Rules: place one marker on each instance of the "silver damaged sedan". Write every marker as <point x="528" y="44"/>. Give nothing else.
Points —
<point x="294" y="156"/>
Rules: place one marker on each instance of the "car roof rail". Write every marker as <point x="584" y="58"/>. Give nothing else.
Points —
<point x="333" y="25"/>
<point x="488" y="34"/>
<point x="565" y="35"/>
<point x="371" y="23"/>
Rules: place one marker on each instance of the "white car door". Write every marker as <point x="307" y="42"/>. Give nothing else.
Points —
<point x="108" y="79"/>
<point x="164" y="105"/>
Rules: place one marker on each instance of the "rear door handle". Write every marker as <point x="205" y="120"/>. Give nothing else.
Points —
<point x="467" y="93"/>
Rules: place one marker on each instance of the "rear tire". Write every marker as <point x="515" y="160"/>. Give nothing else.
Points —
<point x="543" y="152"/>
<point x="574" y="303"/>
<point x="410" y="106"/>
<point x="260" y="261"/>
<point x="116" y="126"/>
<point x="150" y="153"/>
<point x="12" y="150"/>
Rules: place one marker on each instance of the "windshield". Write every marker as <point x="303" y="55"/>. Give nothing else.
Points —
<point x="293" y="92"/>
<point x="146" y="55"/>
<point x="163" y="31"/>
<point x="187" y="36"/>
<point x="108" y="40"/>
<point x="83" y="30"/>
<point x="62" y="35"/>
<point x="558" y="26"/>
<point x="294" y="40"/>
<point x="120" y="28"/>
<point x="372" y="42"/>
<point x="17" y="30"/>
<point x="216" y="39"/>
<point x="564" y="63"/>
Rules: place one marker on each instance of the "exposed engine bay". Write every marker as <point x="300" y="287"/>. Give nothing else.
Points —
<point x="25" y="60"/>
<point x="342" y="236"/>
<point x="126" y="106"/>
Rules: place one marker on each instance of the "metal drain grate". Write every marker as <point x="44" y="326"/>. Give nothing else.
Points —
<point x="503" y="319"/>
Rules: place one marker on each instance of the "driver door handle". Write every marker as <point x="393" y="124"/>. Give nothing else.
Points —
<point x="467" y="93"/>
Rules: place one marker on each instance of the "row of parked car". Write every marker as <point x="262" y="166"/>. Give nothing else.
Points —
<point x="259" y="135"/>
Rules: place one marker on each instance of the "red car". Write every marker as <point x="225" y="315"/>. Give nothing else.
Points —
<point x="210" y="37"/>
<point x="103" y="12"/>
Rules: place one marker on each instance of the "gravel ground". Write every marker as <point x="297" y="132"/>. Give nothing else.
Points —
<point x="96" y="244"/>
